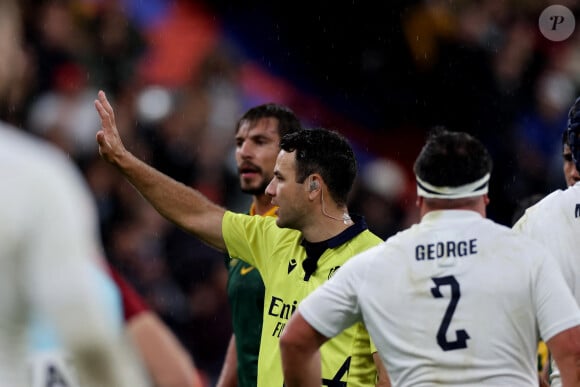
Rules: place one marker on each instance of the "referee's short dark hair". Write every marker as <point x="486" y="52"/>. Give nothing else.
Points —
<point x="327" y="153"/>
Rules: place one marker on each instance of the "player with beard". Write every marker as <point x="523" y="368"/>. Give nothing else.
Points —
<point x="258" y="135"/>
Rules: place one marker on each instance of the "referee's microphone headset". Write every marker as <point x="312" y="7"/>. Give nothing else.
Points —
<point x="313" y="186"/>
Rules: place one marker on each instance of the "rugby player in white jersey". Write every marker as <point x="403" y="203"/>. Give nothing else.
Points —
<point x="454" y="300"/>
<point x="555" y="220"/>
<point x="49" y="250"/>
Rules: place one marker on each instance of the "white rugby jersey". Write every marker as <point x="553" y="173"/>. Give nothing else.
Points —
<point x="453" y="300"/>
<point x="555" y="222"/>
<point x="48" y="246"/>
<point x="48" y="363"/>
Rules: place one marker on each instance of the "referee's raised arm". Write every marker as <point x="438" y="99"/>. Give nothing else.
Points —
<point x="177" y="202"/>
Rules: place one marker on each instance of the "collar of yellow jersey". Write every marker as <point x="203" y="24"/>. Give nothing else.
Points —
<point x="270" y="212"/>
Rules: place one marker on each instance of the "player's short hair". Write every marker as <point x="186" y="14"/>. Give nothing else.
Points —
<point x="288" y="122"/>
<point x="453" y="159"/>
<point x="327" y="153"/>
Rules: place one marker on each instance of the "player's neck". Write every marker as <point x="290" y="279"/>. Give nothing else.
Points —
<point x="262" y="204"/>
<point x="477" y="204"/>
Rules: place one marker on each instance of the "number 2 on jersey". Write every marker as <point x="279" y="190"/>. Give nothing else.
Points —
<point x="461" y="335"/>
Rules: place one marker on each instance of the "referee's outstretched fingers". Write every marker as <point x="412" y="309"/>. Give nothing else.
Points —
<point x="110" y="145"/>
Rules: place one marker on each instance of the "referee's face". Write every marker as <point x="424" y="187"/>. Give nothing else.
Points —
<point x="257" y="146"/>
<point x="290" y="197"/>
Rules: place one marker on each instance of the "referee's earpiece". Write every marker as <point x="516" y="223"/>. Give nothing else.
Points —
<point x="313" y="185"/>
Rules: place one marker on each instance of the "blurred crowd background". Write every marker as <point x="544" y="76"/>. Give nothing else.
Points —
<point x="181" y="72"/>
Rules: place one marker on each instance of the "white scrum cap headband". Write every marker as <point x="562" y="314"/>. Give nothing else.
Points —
<point x="477" y="188"/>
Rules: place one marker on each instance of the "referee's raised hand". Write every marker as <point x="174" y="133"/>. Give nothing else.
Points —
<point x="111" y="147"/>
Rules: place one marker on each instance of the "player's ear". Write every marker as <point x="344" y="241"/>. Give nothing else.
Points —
<point x="486" y="199"/>
<point x="419" y="201"/>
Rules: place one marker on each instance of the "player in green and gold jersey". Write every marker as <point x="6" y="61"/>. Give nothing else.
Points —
<point x="258" y="135"/>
